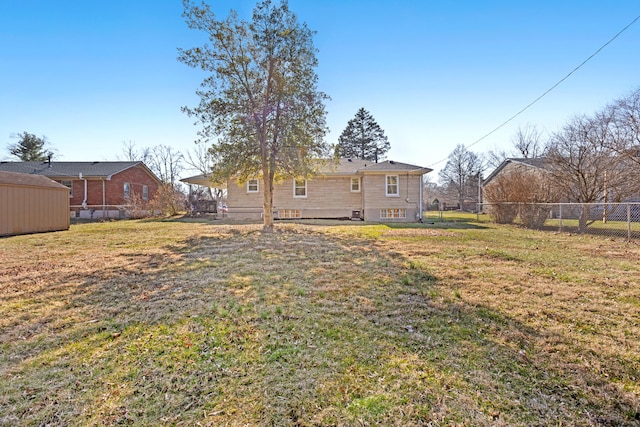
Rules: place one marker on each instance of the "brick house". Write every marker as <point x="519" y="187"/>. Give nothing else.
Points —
<point x="96" y="189"/>
<point x="348" y="188"/>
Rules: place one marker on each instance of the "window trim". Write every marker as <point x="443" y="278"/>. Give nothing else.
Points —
<point x="145" y="192"/>
<point x="353" y="180"/>
<point x="257" y="185"/>
<point x="296" y="187"/>
<point x="126" y="189"/>
<point x="387" y="184"/>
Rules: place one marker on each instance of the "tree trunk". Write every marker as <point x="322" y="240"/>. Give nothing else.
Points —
<point x="267" y="207"/>
<point x="583" y="221"/>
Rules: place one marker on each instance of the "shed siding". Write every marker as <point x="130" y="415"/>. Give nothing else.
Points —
<point x="25" y="209"/>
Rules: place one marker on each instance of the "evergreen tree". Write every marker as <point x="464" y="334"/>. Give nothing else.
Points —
<point x="363" y="138"/>
<point x="30" y="148"/>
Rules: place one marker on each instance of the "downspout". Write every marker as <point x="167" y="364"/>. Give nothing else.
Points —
<point x="84" y="202"/>
<point x="421" y="205"/>
<point x="104" y="208"/>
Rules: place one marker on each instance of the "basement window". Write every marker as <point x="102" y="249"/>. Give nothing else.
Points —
<point x="289" y="213"/>
<point x="393" y="213"/>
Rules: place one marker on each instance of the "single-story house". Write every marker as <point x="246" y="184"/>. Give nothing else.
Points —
<point x="538" y="164"/>
<point x="347" y="188"/>
<point x="32" y="204"/>
<point x="96" y="189"/>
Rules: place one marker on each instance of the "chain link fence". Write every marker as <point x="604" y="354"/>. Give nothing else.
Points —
<point x="604" y="219"/>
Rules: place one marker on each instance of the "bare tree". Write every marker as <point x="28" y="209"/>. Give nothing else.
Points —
<point x="625" y="134"/>
<point x="584" y="166"/>
<point x="200" y="159"/>
<point x="132" y="153"/>
<point x="528" y="142"/>
<point x="461" y="174"/>
<point x="494" y="158"/>
<point x="166" y="163"/>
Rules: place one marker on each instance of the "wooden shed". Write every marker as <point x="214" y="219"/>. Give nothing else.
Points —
<point x="32" y="204"/>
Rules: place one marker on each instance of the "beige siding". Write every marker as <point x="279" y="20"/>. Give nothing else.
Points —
<point x="26" y="209"/>
<point x="375" y="197"/>
<point x="244" y="205"/>
<point x="327" y="197"/>
<point x="331" y="197"/>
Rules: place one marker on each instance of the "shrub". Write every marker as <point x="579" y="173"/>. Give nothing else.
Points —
<point x="520" y="191"/>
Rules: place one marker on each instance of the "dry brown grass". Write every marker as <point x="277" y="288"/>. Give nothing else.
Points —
<point x="186" y="323"/>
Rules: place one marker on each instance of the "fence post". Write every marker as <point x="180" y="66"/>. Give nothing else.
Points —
<point x="628" y="221"/>
<point x="560" y="215"/>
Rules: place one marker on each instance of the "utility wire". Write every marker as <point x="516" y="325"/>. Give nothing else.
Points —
<point x="547" y="91"/>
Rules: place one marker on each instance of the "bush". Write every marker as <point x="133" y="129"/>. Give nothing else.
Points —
<point x="533" y="215"/>
<point x="169" y="200"/>
<point x="520" y="191"/>
<point x="503" y="213"/>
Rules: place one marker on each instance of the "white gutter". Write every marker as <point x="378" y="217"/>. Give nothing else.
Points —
<point x="421" y="205"/>
<point x="104" y="208"/>
<point x="84" y="202"/>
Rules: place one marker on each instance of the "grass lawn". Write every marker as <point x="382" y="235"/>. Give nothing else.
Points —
<point x="179" y="322"/>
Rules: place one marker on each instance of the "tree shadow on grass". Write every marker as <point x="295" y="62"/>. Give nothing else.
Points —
<point x="293" y="328"/>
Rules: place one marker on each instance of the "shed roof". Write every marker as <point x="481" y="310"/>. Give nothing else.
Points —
<point x="22" y="179"/>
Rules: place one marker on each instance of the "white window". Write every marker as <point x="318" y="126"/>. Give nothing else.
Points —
<point x="392" y="187"/>
<point x="393" y="213"/>
<point x="355" y="185"/>
<point x="127" y="190"/>
<point x="252" y="186"/>
<point x="145" y="192"/>
<point x="69" y="185"/>
<point x="299" y="188"/>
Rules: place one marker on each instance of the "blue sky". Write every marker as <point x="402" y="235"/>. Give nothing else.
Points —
<point x="434" y="74"/>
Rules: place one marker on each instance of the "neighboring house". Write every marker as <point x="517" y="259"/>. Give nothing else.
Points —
<point x="32" y="204"/>
<point x="348" y="188"/>
<point x="514" y="164"/>
<point x="96" y="189"/>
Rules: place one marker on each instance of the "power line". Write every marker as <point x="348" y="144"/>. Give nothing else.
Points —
<point x="548" y="90"/>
